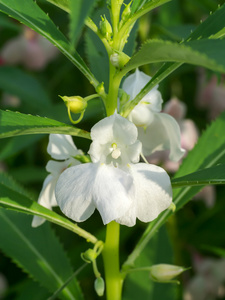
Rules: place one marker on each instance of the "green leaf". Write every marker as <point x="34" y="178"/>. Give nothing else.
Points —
<point x="211" y="26"/>
<point x="137" y="4"/>
<point x="97" y="57"/>
<point x="14" y="123"/>
<point x="213" y="175"/>
<point x="206" y="53"/>
<point x="29" y="13"/>
<point x="80" y="10"/>
<point x="63" y="4"/>
<point x="14" y="197"/>
<point x="37" y="252"/>
<point x="138" y="284"/>
<point x="209" y="151"/>
<point x="29" y="90"/>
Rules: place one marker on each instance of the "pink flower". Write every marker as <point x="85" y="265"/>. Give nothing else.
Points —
<point x="29" y="49"/>
<point x="211" y="95"/>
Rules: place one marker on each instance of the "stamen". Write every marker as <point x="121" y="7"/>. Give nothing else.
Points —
<point x="116" y="151"/>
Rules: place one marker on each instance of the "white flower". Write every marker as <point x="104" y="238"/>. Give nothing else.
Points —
<point x="59" y="147"/>
<point x="115" y="183"/>
<point x="157" y="131"/>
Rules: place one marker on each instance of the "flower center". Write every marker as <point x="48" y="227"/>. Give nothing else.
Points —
<point x="115" y="151"/>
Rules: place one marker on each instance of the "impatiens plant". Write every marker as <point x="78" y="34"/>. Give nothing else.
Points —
<point x="118" y="112"/>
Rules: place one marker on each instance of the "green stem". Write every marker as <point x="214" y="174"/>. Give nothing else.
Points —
<point x="113" y="276"/>
<point x="114" y="83"/>
<point x="115" y="15"/>
<point x="142" y="11"/>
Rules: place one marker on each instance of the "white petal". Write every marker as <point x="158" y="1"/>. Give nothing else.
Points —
<point x="56" y="167"/>
<point x="74" y="191"/>
<point x="162" y="134"/>
<point x="114" y="128"/>
<point x="133" y="152"/>
<point x="112" y="192"/>
<point x="99" y="152"/>
<point x="141" y="115"/>
<point x="153" y="191"/>
<point x="134" y="83"/>
<point x="83" y="188"/>
<point x="46" y="198"/>
<point x="129" y="218"/>
<point x="61" y="146"/>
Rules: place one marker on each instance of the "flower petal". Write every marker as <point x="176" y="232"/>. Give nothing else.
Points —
<point x="112" y="192"/>
<point x="162" y="134"/>
<point x="61" y="146"/>
<point x="57" y="167"/>
<point x="141" y="115"/>
<point x="153" y="191"/>
<point x="74" y="191"/>
<point x="83" y="188"/>
<point x="134" y="83"/>
<point x="114" y="128"/>
<point x="46" y="198"/>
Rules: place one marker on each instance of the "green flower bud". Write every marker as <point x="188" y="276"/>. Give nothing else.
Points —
<point x="165" y="272"/>
<point x="89" y="255"/>
<point x="99" y="286"/>
<point x="119" y="59"/>
<point x="100" y="88"/>
<point x="126" y="12"/>
<point x="105" y="28"/>
<point x="76" y="104"/>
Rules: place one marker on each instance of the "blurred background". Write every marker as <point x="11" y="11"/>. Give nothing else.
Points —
<point x="32" y="75"/>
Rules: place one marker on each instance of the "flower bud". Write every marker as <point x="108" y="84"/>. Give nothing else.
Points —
<point x="89" y="255"/>
<point x="165" y="272"/>
<point x="76" y="104"/>
<point x="126" y="12"/>
<point x="99" y="286"/>
<point x="105" y="28"/>
<point x="100" y="88"/>
<point x="119" y="59"/>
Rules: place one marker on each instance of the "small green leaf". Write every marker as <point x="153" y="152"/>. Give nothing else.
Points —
<point x="213" y="175"/>
<point x="14" y="123"/>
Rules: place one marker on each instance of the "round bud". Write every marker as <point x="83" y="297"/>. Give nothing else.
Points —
<point x="99" y="286"/>
<point x="76" y="104"/>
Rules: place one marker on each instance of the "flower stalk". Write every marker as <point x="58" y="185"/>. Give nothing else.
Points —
<point x="113" y="276"/>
